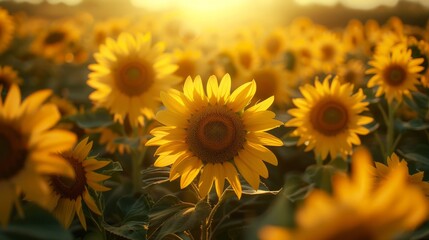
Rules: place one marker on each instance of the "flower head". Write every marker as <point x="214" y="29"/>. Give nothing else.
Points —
<point x="213" y="134"/>
<point x="128" y="76"/>
<point x="328" y="119"/>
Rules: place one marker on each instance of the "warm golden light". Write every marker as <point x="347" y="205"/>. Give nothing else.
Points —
<point x="358" y="4"/>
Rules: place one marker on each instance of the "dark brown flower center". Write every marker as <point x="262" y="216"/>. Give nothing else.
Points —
<point x="186" y="68"/>
<point x="67" y="187"/>
<point x="356" y="232"/>
<point x="395" y="75"/>
<point x="134" y="77"/>
<point x="328" y="52"/>
<point x="215" y="134"/>
<point x="5" y="82"/>
<point x="329" y="117"/>
<point x="266" y="80"/>
<point x="350" y="77"/>
<point x="13" y="151"/>
<point x="54" y="37"/>
<point x="245" y="59"/>
<point x="273" y="45"/>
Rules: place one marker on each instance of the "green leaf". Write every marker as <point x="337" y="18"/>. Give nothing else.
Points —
<point x="418" y="154"/>
<point x="321" y="175"/>
<point x="112" y="168"/>
<point x="281" y="211"/>
<point x="415" y="124"/>
<point x="134" y="218"/>
<point x="165" y="208"/>
<point x="133" y="142"/>
<point x="92" y="119"/>
<point x="228" y="220"/>
<point x="155" y="175"/>
<point x="185" y="219"/>
<point x="36" y="224"/>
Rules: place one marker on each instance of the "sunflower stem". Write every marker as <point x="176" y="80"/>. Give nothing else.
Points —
<point x="137" y="159"/>
<point x="319" y="160"/>
<point x="209" y="219"/>
<point x="390" y="124"/>
<point x="381" y="144"/>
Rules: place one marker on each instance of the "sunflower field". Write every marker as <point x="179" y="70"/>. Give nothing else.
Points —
<point x="161" y="123"/>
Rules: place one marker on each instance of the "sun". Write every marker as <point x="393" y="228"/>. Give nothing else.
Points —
<point x="329" y="118"/>
<point x="213" y="134"/>
<point x="128" y="76"/>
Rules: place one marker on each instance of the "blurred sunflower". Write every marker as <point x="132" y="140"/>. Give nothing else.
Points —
<point x="110" y="28"/>
<point x="353" y="36"/>
<point x="395" y="74"/>
<point x="57" y="42"/>
<point x="358" y="209"/>
<point x="28" y="147"/>
<point x="245" y="56"/>
<point x="329" y="52"/>
<point x="189" y="63"/>
<point x="353" y="72"/>
<point x="7" y="27"/>
<point x="272" y="80"/>
<point x="9" y="77"/>
<point x="420" y="49"/>
<point x="273" y="44"/>
<point x="328" y="119"/>
<point x="382" y="172"/>
<point x="128" y="76"/>
<point x="214" y="135"/>
<point x="67" y="193"/>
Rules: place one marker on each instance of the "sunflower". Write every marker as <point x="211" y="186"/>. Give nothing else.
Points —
<point x="273" y="44"/>
<point x="128" y="76"/>
<point x="213" y="134"/>
<point x="67" y="193"/>
<point x="7" y="27"/>
<point x="381" y="172"/>
<point x="358" y="209"/>
<point x="328" y="119"/>
<point x="353" y="36"/>
<point x="353" y="72"/>
<point x="189" y="63"/>
<point x="245" y="56"/>
<point x="329" y="52"/>
<point x="8" y="77"/>
<point x="395" y="74"/>
<point x="272" y="80"/>
<point x="27" y="148"/>
<point x="57" y="42"/>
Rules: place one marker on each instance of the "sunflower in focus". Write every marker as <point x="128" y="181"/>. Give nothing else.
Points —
<point x="328" y="119"/>
<point x="67" y="193"/>
<point x="9" y="77"/>
<point x="358" y="209"/>
<point x="211" y="133"/>
<point x="382" y="172"/>
<point x="7" y="27"/>
<point x="128" y="76"/>
<point x="27" y="149"/>
<point x="396" y="74"/>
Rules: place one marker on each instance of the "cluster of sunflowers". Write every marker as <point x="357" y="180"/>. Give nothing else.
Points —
<point x="145" y="119"/>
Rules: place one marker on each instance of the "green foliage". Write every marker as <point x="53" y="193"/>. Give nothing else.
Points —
<point x="133" y="218"/>
<point x="37" y="223"/>
<point x="92" y="119"/>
